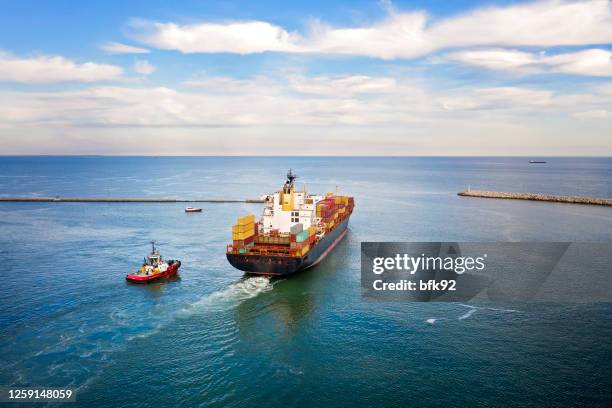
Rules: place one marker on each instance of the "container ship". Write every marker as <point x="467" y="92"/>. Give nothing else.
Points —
<point x="296" y="231"/>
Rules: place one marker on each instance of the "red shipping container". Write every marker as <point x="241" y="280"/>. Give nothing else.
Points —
<point x="297" y="245"/>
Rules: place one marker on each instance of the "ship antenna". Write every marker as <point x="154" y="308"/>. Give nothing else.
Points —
<point x="291" y="176"/>
<point x="152" y="246"/>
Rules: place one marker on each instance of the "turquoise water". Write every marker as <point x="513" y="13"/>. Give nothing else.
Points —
<point x="214" y="337"/>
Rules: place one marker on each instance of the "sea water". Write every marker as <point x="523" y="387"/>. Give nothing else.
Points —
<point x="214" y="337"/>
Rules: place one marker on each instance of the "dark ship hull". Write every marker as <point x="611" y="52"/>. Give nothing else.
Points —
<point x="285" y="265"/>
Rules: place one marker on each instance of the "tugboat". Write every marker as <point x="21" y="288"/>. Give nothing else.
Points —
<point x="154" y="267"/>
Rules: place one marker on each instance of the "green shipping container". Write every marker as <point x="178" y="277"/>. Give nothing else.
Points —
<point x="302" y="236"/>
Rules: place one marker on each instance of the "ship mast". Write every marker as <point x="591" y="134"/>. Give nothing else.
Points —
<point x="289" y="183"/>
<point x="291" y="176"/>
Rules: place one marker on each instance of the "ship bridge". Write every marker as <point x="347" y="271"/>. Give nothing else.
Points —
<point x="288" y="207"/>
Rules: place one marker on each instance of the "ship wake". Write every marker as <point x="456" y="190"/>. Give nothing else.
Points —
<point x="470" y="312"/>
<point x="242" y="290"/>
<point x="233" y="294"/>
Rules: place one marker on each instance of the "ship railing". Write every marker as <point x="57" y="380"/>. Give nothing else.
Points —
<point x="260" y="251"/>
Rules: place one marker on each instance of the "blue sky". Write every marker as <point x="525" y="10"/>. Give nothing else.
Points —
<point x="268" y="77"/>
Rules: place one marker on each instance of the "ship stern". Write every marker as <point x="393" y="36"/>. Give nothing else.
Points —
<point x="266" y="265"/>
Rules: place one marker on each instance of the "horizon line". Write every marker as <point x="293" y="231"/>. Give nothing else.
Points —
<point x="299" y="156"/>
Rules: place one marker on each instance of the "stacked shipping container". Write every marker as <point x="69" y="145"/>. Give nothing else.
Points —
<point x="246" y="239"/>
<point x="243" y="233"/>
<point x="302" y="239"/>
<point x="332" y="209"/>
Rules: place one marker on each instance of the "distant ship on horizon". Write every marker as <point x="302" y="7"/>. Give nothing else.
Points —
<point x="536" y="161"/>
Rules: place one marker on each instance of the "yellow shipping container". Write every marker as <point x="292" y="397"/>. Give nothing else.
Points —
<point x="345" y="199"/>
<point x="312" y="230"/>
<point x="239" y="236"/>
<point x="305" y="249"/>
<point x="338" y="199"/>
<point x="341" y="210"/>
<point x="242" y="228"/>
<point x="247" y="219"/>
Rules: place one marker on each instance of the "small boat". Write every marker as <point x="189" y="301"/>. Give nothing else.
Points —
<point x="192" y="209"/>
<point x="154" y="267"/>
<point x="536" y="161"/>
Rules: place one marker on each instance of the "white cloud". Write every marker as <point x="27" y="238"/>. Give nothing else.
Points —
<point x="119" y="48"/>
<point x="497" y="59"/>
<point x="516" y="98"/>
<point x="593" y="62"/>
<point x="224" y="85"/>
<point x="401" y="34"/>
<point x="595" y="114"/>
<point x="45" y="69"/>
<point x="342" y="86"/>
<point x="144" y="67"/>
<point x="589" y="62"/>
<point x="542" y="23"/>
<point x="287" y="101"/>
<point x="338" y="86"/>
<point x="225" y="102"/>
<point x="363" y="115"/>
<point x="240" y="38"/>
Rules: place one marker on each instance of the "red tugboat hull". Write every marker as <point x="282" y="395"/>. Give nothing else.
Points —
<point x="171" y="271"/>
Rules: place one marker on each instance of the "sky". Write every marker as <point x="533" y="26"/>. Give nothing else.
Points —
<point x="313" y="77"/>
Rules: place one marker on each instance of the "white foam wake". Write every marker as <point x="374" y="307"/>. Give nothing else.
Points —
<point x="242" y="290"/>
<point x="471" y="311"/>
<point x="468" y="314"/>
<point x="233" y="294"/>
<point x="503" y="310"/>
<point x="469" y="306"/>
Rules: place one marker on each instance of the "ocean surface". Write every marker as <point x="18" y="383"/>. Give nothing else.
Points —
<point x="214" y="337"/>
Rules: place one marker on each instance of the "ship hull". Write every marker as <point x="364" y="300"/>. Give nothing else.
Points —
<point x="280" y="265"/>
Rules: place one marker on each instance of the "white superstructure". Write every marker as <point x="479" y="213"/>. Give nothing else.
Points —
<point x="288" y="207"/>
<point x="153" y="263"/>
